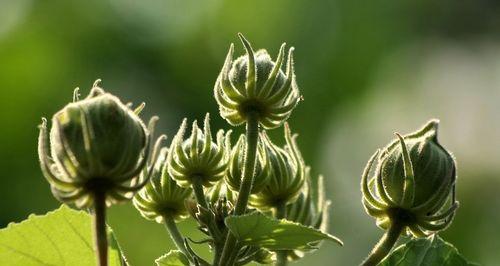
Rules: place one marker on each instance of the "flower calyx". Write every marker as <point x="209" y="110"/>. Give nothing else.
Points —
<point x="254" y="84"/>
<point x="414" y="183"/>
<point x="198" y="157"/>
<point x="287" y="173"/>
<point x="97" y="145"/>
<point x="161" y="197"/>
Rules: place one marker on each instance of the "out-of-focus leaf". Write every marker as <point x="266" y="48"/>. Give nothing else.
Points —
<point x="256" y="229"/>
<point x="60" y="237"/>
<point x="172" y="258"/>
<point x="429" y="251"/>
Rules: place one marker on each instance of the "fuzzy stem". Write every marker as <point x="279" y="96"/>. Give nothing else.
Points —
<point x="234" y="254"/>
<point x="281" y="255"/>
<point x="217" y="253"/>
<point x="99" y="225"/>
<point x="385" y="244"/>
<point x="252" y="138"/>
<point x="198" y="192"/>
<point x="175" y="234"/>
<point x="211" y="226"/>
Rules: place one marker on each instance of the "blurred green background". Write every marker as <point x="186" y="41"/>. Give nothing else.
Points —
<point x="365" y="68"/>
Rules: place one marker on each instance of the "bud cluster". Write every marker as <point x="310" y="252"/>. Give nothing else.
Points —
<point x="100" y="152"/>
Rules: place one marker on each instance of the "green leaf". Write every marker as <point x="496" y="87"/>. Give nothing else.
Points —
<point x="429" y="251"/>
<point x="256" y="229"/>
<point x="61" y="237"/>
<point x="172" y="258"/>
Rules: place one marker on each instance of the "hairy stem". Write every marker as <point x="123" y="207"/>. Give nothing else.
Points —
<point x="234" y="254"/>
<point x="385" y="244"/>
<point x="252" y="138"/>
<point x="99" y="225"/>
<point x="175" y="234"/>
<point x="281" y="255"/>
<point x="198" y="192"/>
<point x="211" y="226"/>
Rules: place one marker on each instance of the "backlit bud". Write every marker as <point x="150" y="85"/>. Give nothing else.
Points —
<point x="197" y="156"/>
<point x="161" y="197"/>
<point x="97" y="145"/>
<point x="310" y="209"/>
<point x="413" y="182"/>
<point x="235" y="168"/>
<point x="287" y="173"/>
<point x="255" y="84"/>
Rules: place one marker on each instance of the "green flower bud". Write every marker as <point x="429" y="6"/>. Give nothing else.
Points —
<point x="219" y="208"/>
<point x="414" y="180"/>
<point x="97" y="145"/>
<point x="197" y="156"/>
<point x="161" y="197"/>
<point x="310" y="209"/>
<point x="255" y="84"/>
<point x="235" y="168"/>
<point x="287" y="173"/>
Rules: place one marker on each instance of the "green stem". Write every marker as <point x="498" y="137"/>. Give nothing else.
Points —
<point x="385" y="244"/>
<point x="212" y="227"/>
<point x="175" y="234"/>
<point x="99" y="224"/>
<point x="281" y="255"/>
<point x="252" y="138"/>
<point x="234" y="254"/>
<point x="217" y="253"/>
<point x="199" y="193"/>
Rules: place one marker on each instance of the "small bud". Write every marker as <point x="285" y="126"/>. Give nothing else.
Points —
<point x="310" y="209"/>
<point x="234" y="172"/>
<point x="198" y="156"/>
<point x="254" y="83"/>
<point x="96" y="145"/>
<point x="287" y="173"/>
<point x="414" y="180"/>
<point x="161" y="197"/>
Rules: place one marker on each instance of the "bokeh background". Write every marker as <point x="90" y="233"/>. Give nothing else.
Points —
<point x="365" y="68"/>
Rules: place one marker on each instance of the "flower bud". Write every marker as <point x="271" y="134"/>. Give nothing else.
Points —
<point x="219" y="208"/>
<point x="287" y="172"/>
<point x="413" y="182"/>
<point x="255" y="84"/>
<point x="310" y="209"/>
<point x="97" y="145"/>
<point x="197" y="156"/>
<point x="161" y="197"/>
<point x="234" y="172"/>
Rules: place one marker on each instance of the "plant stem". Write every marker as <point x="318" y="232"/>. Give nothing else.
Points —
<point x="281" y="255"/>
<point x="176" y="236"/>
<point x="252" y="138"/>
<point x="385" y="244"/>
<point x="217" y="253"/>
<point x="199" y="193"/>
<point x="211" y="226"/>
<point x="234" y="254"/>
<point x="99" y="224"/>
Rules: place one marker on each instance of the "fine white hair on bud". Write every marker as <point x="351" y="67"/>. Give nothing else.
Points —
<point x="255" y="84"/>
<point x="413" y="181"/>
<point x="287" y="173"/>
<point x="96" y="145"/>
<point x="161" y="197"/>
<point x="198" y="156"/>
